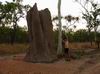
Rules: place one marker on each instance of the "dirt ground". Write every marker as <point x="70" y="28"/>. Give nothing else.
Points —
<point x="90" y="64"/>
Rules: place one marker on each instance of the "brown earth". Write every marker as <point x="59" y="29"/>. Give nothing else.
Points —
<point x="90" y="64"/>
<point x="21" y="67"/>
<point x="15" y="65"/>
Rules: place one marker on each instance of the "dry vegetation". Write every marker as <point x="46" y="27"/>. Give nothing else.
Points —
<point x="88" y="65"/>
<point x="6" y="49"/>
<point x="82" y="45"/>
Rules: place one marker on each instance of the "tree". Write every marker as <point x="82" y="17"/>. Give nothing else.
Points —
<point x="87" y="16"/>
<point x="16" y="15"/>
<point x="56" y="21"/>
<point x="96" y="21"/>
<point x="10" y="13"/>
<point x="4" y="14"/>
<point x="91" y="15"/>
<point x="59" y="50"/>
<point x="70" y="21"/>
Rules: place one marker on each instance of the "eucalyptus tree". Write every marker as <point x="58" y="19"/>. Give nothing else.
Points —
<point x="59" y="49"/>
<point x="14" y="13"/>
<point x="95" y="17"/>
<point x="10" y="13"/>
<point x="1" y="16"/>
<point x="17" y="14"/>
<point x="56" y="21"/>
<point x="91" y="14"/>
<point x="86" y="15"/>
<point x="70" y="21"/>
<point x="4" y="10"/>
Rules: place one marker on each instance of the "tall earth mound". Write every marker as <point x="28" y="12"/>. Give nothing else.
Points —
<point x="40" y="30"/>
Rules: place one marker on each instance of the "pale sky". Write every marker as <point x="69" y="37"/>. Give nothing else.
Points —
<point x="67" y="7"/>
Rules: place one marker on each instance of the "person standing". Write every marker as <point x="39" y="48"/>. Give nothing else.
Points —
<point x="66" y="49"/>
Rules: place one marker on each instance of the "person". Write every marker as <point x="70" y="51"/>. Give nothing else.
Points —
<point x="66" y="49"/>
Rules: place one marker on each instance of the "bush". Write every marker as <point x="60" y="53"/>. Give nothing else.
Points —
<point x="21" y="36"/>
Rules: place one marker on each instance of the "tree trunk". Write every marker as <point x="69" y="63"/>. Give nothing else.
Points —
<point x="95" y="37"/>
<point x="59" y="50"/>
<point x="89" y="39"/>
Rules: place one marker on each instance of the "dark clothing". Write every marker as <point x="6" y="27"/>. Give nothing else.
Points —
<point x="66" y="50"/>
<point x="66" y="54"/>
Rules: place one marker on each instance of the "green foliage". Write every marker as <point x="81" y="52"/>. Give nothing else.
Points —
<point x="56" y="38"/>
<point x="11" y="12"/>
<point x="5" y="35"/>
<point x="91" y="15"/>
<point x="79" y="36"/>
<point x="21" y="35"/>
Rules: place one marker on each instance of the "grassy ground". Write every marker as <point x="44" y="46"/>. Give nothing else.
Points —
<point x="7" y="49"/>
<point x="89" y="64"/>
<point x="82" y="45"/>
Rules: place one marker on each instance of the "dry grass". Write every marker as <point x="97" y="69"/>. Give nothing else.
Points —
<point x="82" y="45"/>
<point x="6" y="49"/>
<point x="79" y="49"/>
<point x="17" y="66"/>
<point x="20" y="48"/>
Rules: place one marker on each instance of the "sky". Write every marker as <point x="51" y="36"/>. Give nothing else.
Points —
<point x="67" y="7"/>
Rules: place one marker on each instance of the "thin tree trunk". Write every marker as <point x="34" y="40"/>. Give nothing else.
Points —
<point x="95" y="31"/>
<point x="59" y="50"/>
<point x="89" y="39"/>
<point x="95" y="37"/>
